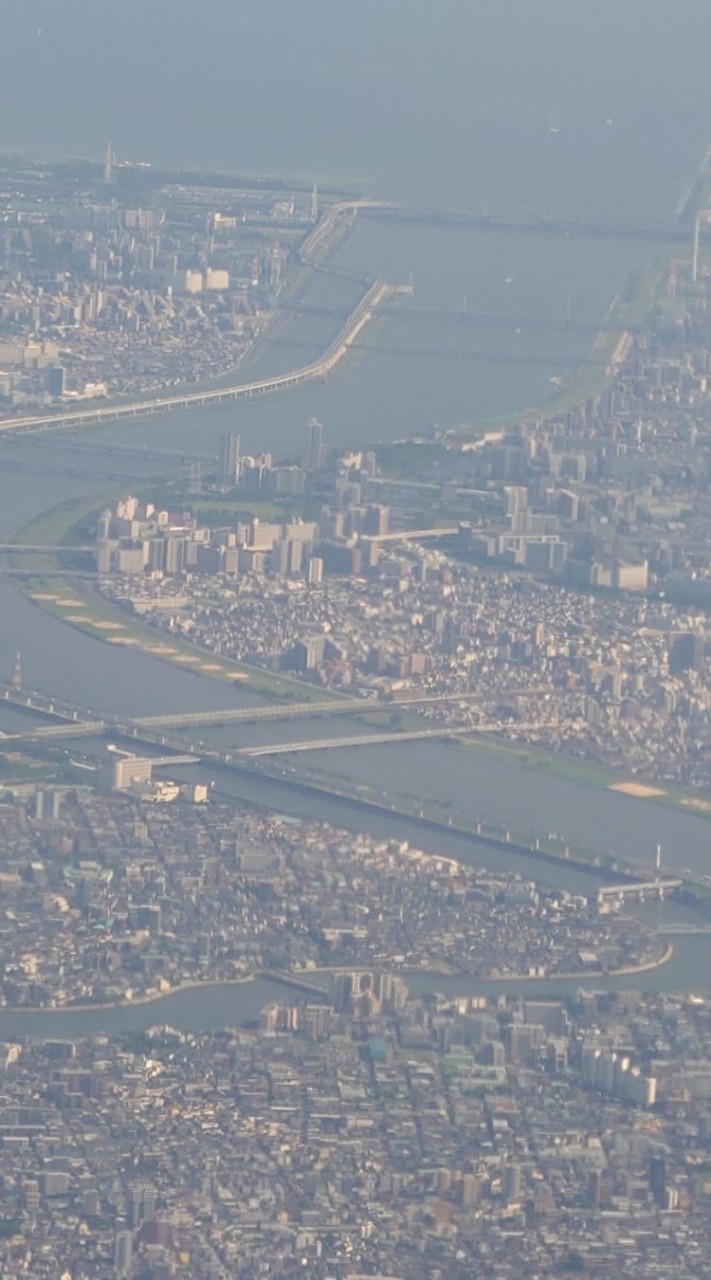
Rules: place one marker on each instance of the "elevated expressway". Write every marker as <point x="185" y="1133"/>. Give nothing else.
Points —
<point x="377" y="296"/>
<point x="378" y="293"/>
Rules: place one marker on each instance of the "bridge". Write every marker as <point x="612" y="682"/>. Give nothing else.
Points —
<point x="537" y="223"/>
<point x="317" y="369"/>
<point x="638" y="889"/>
<point x="301" y="710"/>
<point x="164" y="762"/>
<point x="362" y="740"/>
<point x="141" y="451"/>
<point x="683" y="930"/>
<point x="452" y="353"/>
<point x="26" y="547"/>
<point x="70" y="720"/>
<point x="463" y="317"/>
<point x="237" y="715"/>
<point x="410" y="535"/>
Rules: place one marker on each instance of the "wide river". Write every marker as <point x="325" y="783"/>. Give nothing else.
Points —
<point x="551" y="106"/>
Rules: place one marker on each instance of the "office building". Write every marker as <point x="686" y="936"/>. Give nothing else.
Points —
<point x="376" y="520"/>
<point x="315" y="576"/>
<point x="56" y="381"/>
<point x="686" y="652"/>
<point x="229" y="460"/>
<point x="314" y="452"/>
<point x="123" y="1253"/>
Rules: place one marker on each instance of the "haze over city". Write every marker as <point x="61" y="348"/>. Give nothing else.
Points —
<point x="355" y="719"/>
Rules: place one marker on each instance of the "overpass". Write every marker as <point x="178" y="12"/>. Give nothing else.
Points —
<point x="639" y="889"/>
<point x="317" y="369"/>
<point x="410" y="535"/>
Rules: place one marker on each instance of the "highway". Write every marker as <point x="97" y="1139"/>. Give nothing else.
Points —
<point x="375" y="295"/>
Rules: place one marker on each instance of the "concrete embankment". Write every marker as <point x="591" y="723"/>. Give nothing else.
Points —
<point x="617" y="874"/>
<point x="378" y="293"/>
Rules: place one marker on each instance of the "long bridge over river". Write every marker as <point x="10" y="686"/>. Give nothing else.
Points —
<point x="69" y="719"/>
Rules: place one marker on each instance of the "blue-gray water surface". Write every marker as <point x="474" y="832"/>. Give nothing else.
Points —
<point x="551" y="106"/>
<point x="563" y="105"/>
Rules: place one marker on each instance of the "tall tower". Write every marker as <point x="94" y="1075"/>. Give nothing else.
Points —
<point x="314" y="203"/>
<point x="109" y="161"/>
<point x="703" y="218"/>
<point x="313" y="458"/>
<point x="229" y="460"/>
<point x="17" y="671"/>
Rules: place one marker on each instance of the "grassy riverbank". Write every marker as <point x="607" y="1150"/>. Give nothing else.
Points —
<point x="556" y="764"/>
<point x="630" y="309"/>
<point x="76" y="602"/>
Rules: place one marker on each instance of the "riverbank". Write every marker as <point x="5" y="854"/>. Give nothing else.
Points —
<point x="283" y="979"/>
<point x="624" y="971"/>
<point x="590" y="773"/>
<point x="295" y="980"/>
<point x="629" y="310"/>
<point x="77" y="604"/>
<point x="605" y="867"/>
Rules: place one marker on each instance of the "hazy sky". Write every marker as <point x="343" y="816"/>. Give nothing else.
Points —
<point x="420" y="89"/>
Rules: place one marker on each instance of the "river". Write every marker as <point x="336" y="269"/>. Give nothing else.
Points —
<point x="554" y="106"/>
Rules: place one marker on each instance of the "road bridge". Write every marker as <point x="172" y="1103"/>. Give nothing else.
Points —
<point x="89" y="575"/>
<point x="687" y="930"/>
<point x="237" y="715"/>
<point x="453" y="353"/>
<point x="462" y="317"/>
<point x="361" y="740"/>
<point x="297" y="710"/>
<point x="33" y="464"/>
<point x="638" y="889"/>
<point x="142" y="451"/>
<point x="165" y="762"/>
<point x="26" y="547"/>
<point x="69" y="719"/>
<point x="66" y="729"/>
<point x="410" y="535"/>
<point x="537" y="223"/>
